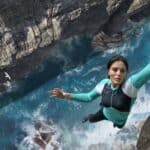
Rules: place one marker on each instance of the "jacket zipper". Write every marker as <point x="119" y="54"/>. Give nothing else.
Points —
<point x="111" y="99"/>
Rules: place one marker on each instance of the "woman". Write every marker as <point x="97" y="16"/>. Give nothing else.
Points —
<point x="117" y="93"/>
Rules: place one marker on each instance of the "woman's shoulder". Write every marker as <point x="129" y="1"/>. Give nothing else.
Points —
<point x="129" y="89"/>
<point x="100" y="85"/>
<point x="104" y="81"/>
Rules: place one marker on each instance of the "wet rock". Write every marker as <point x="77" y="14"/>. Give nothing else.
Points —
<point x="45" y="133"/>
<point x="139" y="9"/>
<point x="40" y="142"/>
<point x="143" y="142"/>
<point x="104" y="41"/>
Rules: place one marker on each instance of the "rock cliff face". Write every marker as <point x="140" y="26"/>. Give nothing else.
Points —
<point x="29" y="29"/>
<point x="144" y="138"/>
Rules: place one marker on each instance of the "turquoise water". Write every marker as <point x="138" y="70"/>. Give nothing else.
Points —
<point x="67" y="115"/>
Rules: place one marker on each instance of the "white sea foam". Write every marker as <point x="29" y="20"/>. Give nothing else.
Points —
<point x="142" y="104"/>
<point x="94" y="69"/>
<point x="76" y="70"/>
<point x="81" y="139"/>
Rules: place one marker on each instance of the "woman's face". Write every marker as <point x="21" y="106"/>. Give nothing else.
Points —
<point x="117" y="72"/>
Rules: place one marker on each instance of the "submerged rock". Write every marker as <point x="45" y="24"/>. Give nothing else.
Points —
<point x="44" y="137"/>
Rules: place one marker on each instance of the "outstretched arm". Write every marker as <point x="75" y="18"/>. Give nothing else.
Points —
<point x="139" y="79"/>
<point x="60" y="94"/>
<point x="84" y="97"/>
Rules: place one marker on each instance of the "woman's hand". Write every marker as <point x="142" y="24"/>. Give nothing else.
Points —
<point x="59" y="93"/>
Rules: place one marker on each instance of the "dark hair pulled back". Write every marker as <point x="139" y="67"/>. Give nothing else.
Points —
<point x="117" y="58"/>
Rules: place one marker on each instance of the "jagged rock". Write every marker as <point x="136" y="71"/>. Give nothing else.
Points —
<point x="144" y="138"/>
<point x="113" y="5"/>
<point x="138" y="9"/>
<point x="104" y="41"/>
<point x="41" y="23"/>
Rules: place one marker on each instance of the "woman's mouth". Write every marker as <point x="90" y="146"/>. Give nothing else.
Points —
<point x="118" y="79"/>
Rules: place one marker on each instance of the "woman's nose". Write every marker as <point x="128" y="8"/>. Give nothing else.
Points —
<point x="118" y="72"/>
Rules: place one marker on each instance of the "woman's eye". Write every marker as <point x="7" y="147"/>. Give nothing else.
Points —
<point x="122" y="70"/>
<point x="116" y="69"/>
